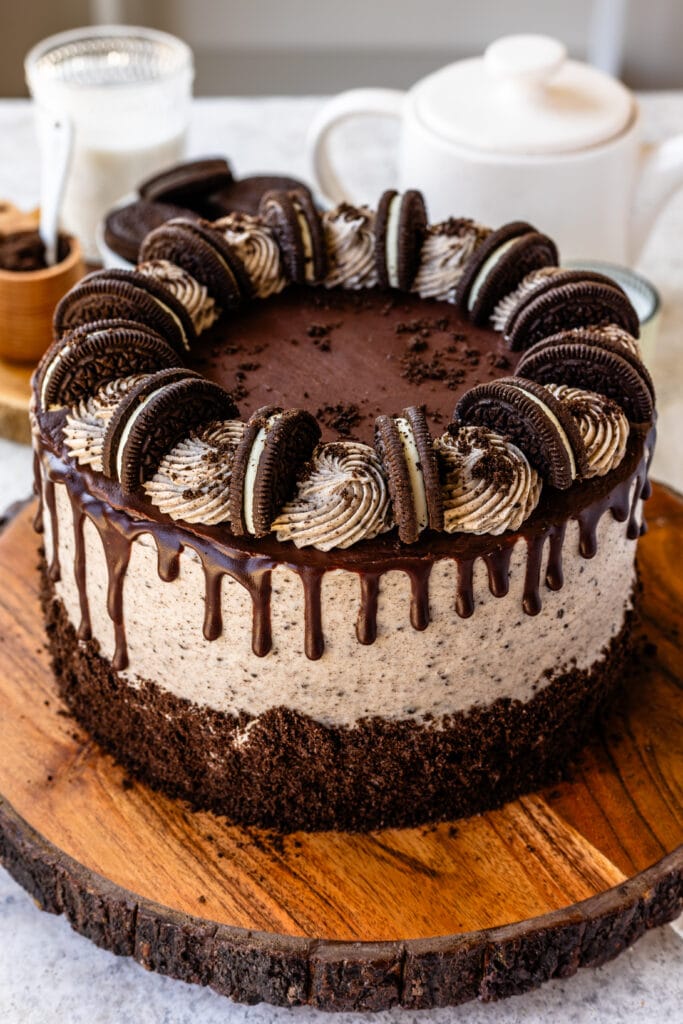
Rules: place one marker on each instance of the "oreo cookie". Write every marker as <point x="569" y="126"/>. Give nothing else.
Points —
<point x="534" y="420"/>
<point x="187" y="181"/>
<point x="153" y="417"/>
<point x="126" y="227"/>
<point x="274" y="447"/>
<point x="604" y="366"/>
<point x="205" y="254"/>
<point x="484" y="259"/>
<point x="400" y="228"/>
<point x="296" y="224"/>
<point x="563" y="302"/>
<point x="529" y="252"/>
<point x="405" y="448"/>
<point x="127" y="295"/>
<point x="78" y="364"/>
<point x="245" y="194"/>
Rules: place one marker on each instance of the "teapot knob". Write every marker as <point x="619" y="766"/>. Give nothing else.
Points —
<point x="526" y="61"/>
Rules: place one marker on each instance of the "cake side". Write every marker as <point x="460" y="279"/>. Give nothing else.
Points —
<point x="484" y="706"/>
<point x="460" y="623"/>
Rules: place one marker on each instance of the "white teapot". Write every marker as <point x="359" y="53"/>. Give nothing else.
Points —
<point x="521" y="133"/>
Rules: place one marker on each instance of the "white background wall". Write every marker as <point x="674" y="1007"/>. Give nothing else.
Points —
<point x="316" y="46"/>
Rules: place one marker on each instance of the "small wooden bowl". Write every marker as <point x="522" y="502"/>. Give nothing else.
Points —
<point x="27" y="302"/>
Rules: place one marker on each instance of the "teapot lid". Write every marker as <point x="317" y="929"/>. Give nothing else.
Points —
<point x="524" y="97"/>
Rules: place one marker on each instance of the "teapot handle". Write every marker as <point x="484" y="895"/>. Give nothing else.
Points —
<point x="345" y="107"/>
<point x="661" y="174"/>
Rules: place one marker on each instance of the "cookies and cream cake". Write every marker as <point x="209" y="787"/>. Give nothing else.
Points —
<point x="340" y="510"/>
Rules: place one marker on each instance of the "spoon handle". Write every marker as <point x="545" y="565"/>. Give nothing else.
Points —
<point x="56" y="142"/>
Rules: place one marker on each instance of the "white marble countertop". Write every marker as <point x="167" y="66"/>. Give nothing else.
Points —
<point x="49" y="973"/>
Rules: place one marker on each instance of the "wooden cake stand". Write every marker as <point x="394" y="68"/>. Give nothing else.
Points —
<point x="483" y="907"/>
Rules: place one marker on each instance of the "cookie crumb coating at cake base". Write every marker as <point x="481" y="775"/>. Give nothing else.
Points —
<point x="300" y="774"/>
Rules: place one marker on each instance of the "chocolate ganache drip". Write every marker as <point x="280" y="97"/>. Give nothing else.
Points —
<point x="252" y="566"/>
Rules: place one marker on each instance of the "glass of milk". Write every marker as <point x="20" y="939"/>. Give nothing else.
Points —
<point x="123" y="94"/>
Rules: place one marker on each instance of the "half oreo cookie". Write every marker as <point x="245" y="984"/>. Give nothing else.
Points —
<point x="274" y="447"/>
<point x="507" y="268"/>
<point x="603" y="366"/>
<point x="204" y="254"/>
<point x="153" y="417"/>
<point x="400" y="228"/>
<point x="526" y="413"/>
<point x="405" y="448"/>
<point x="128" y="295"/>
<point x="485" y="258"/>
<point x="126" y="227"/>
<point x="296" y="224"/>
<point x="560" y="303"/>
<point x="77" y="365"/>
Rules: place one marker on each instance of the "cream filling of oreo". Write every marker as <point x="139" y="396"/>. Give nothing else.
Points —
<point x="560" y="429"/>
<point x="391" y="240"/>
<point x="415" y="475"/>
<point x="255" y="454"/>
<point x="176" y="319"/>
<point x="125" y="433"/>
<point x="306" y="241"/>
<point x="486" y="268"/>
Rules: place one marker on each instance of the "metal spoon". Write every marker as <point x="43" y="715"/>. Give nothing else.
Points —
<point x="56" y="139"/>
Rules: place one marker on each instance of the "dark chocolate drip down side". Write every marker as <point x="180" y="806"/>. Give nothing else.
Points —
<point x="50" y="499"/>
<point x="118" y="528"/>
<point x="38" y="490"/>
<point x="366" y="624"/>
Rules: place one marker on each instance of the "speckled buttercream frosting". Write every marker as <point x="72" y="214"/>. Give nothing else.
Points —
<point x="317" y="553"/>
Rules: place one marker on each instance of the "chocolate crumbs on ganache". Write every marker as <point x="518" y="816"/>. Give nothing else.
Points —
<point x="494" y="468"/>
<point x="343" y="418"/>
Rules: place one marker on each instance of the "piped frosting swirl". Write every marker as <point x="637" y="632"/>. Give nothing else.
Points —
<point x="259" y="252"/>
<point x="194" y="296"/>
<point x="341" y="499"/>
<point x="446" y="250"/>
<point x="192" y="482"/>
<point x="86" y="424"/>
<point x="488" y="485"/>
<point x="350" y="243"/>
<point x="602" y="423"/>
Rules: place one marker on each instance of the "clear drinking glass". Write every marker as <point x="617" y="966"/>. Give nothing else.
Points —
<point x="124" y="95"/>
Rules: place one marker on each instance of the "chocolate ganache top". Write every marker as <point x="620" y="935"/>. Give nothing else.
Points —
<point x="348" y="356"/>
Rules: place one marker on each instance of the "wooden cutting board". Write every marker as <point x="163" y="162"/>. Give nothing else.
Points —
<point x="483" y="907"/>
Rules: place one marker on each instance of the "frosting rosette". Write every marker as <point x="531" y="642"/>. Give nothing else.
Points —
<point x="602" y="423"/>
<point x="488" y="485"/>
<point x="194" y="296"/>
<point x="446" y="250"/>
<point x="341" y="499"/>
<point x="87" y="422"/>
<point x="259" y="252"/>
<point x="192" y="482"/>
<point x="507" y="305"/>
<point x="350" y="243"/>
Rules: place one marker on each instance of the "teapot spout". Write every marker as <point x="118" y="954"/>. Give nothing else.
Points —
<point x="661" y="174"/>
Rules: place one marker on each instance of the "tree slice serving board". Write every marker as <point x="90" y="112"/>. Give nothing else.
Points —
<point x="483" y="907"/>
